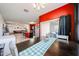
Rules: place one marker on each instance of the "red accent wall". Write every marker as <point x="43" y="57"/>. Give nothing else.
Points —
<point x="27" y="34"/>
<point x="31" y="25"/>
<point x="67" y="9"/>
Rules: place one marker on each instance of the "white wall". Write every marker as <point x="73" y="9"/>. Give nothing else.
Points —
<point x="1" y="21"/>
<point x="1" y="25"/>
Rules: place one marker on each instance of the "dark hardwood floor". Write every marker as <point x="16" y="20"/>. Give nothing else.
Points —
<point x="24" y="45"/>
<point x="58" y="48"/>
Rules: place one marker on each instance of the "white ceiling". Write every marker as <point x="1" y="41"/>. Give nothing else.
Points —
<point x="15" y="11"/>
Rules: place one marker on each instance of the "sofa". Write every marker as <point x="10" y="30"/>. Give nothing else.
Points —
<point x="7" y="42"/>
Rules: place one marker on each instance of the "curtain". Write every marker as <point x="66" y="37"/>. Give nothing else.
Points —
<point x="64" y="25"/>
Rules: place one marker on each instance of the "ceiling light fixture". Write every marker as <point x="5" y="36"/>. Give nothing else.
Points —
<point x="38" y="6"/>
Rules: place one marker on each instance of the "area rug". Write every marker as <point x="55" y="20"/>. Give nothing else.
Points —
<point x="38" y="49"/>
